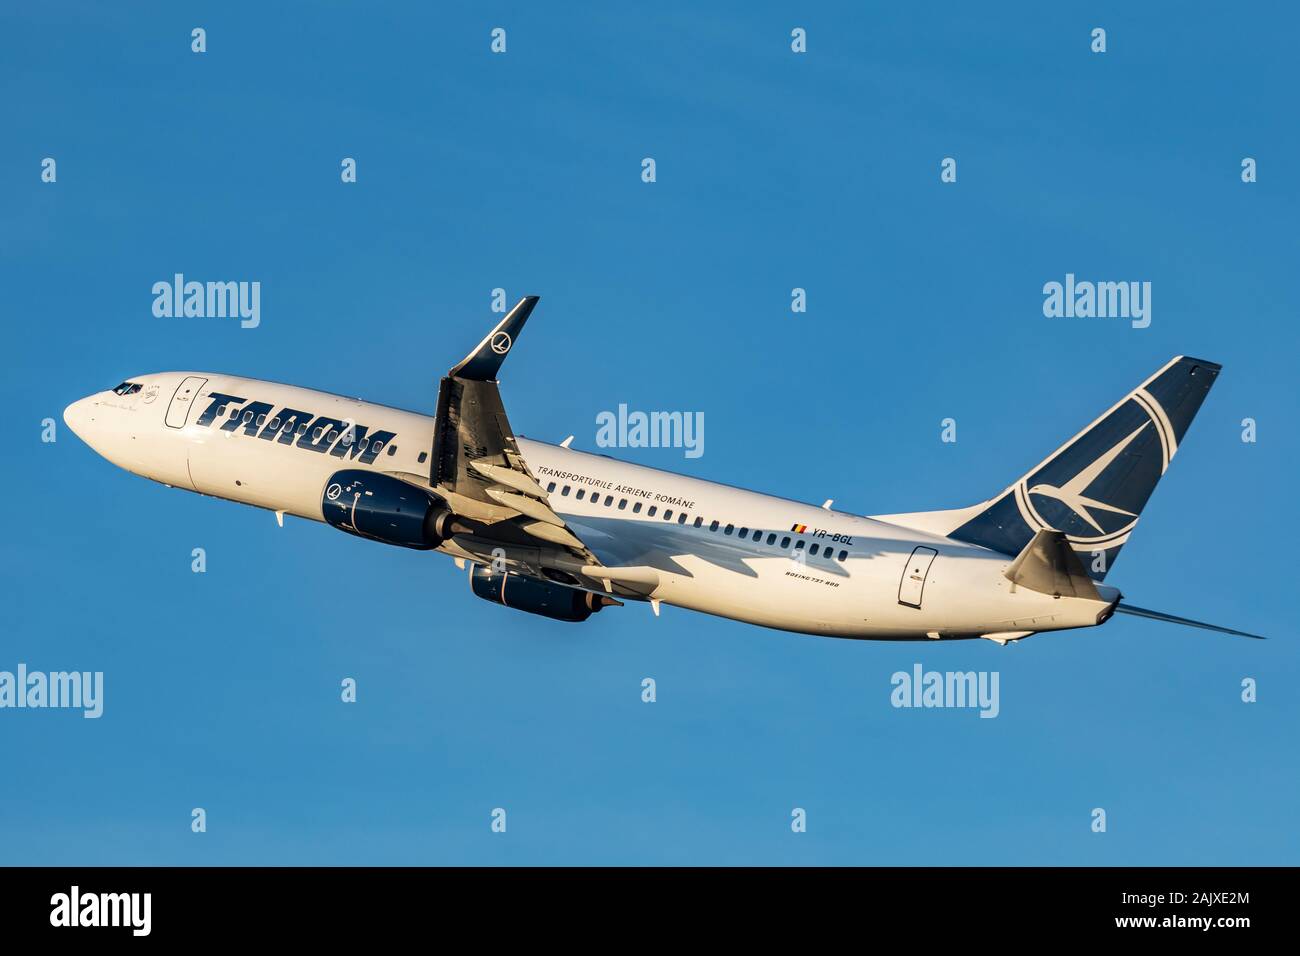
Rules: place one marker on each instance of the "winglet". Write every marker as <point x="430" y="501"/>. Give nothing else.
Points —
<point x="482" y="364"/>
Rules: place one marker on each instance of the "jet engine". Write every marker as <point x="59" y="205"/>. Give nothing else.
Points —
<point x="536" y="597"/>
<point x="387" y="509"/>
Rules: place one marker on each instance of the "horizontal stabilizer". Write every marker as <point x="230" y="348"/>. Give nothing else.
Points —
<point x="1174" y="619"/>
<point x="1048" y="564"/>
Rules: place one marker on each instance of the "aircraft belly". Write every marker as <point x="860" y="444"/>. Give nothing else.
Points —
<point x="868" y="596"/>
<point x="765" y="595"/>
<point x="256" y="473"/>
<point x="699" y="572"/>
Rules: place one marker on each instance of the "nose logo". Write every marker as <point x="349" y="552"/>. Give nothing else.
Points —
<point x="333" y="491"/>
<point x="501" y="343"/>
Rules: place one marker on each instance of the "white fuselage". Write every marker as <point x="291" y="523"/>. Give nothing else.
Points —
<point x="867" y="579"/>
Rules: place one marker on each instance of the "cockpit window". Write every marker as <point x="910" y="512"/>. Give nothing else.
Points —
<point x="128" y="388"/>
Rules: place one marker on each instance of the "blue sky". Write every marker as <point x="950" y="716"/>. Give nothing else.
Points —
<point x="522" y="171"/>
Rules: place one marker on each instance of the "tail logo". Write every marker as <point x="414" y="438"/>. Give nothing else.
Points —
<point x="1072" y="493"/>
<point x="501" y="343"/>
<point x="1093" y="488"/>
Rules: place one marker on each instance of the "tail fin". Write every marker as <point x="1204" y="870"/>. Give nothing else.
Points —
<point x="1094" y="486"/>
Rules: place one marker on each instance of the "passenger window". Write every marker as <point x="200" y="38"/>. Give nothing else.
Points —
<point x="609" y="500"/>
<point x="813" y="550"/>
<point x="744" y="532"/>
<point x="668" y="515"/>
<point x="362" y="445"/>
<point x="302" y="429"/>
<point x="565" y="492"/>
<point x="595" y="497"/>
<point x="728" y="529"/>
<point x="425" y="454"/>
<point x="234" y="413"/>
<point x="315" y="435"/>
<point x="713" y="526"/>
<point x="549" y="488"/>
<point x="652" y="509"/>
<point x="636" y="508"/>
<point x="275" y="424"/>
<point x="261" y="420"/>
<point x="785" y="542"/>
<point x="771" y="539"/>
<point x="377" y="447"/>
<point x="392" y="450"/>
<point x="681" y="518"/>
<point x="698" y="521"/>
<point x="582" y="493"/>
<point x="248" y="417"/>
<point x="798" y="544"/>
<point x="844" y="555"/>
<point x="622" y="504"/>
<point x="758" y="535"/>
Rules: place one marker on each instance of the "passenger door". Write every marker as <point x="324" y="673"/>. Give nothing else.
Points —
<point x="912" y="587"/>
<point x="179" y="409"/>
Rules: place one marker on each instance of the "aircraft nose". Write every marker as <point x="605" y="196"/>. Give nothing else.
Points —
<point x="78" y="416"/>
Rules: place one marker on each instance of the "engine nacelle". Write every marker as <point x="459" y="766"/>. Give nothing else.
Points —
<point x="536" y="597"/>
<point x="387" y="509"/>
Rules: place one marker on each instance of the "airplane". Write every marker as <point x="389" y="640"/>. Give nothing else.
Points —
<point x="562" y="533"/>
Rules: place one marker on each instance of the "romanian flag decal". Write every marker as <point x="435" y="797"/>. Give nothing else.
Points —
<point x="799" y="528"/>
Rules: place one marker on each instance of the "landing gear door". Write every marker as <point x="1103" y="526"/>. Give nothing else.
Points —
<point x="186" y="393"/>
<point x="917" y="569"/>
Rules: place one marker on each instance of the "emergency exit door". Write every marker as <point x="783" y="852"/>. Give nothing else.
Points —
<point x="912" y="587"/>
<point x="179" y="408"/>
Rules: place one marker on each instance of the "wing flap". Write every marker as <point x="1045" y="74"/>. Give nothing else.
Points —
<point x="478" y="468"/>
<point x="519" y="480"/>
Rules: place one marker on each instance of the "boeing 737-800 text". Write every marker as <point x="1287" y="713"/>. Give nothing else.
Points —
<point x="562" y="533"/>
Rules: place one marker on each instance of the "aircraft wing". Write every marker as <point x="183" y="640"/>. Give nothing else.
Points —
<point x="501" y="511"/>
